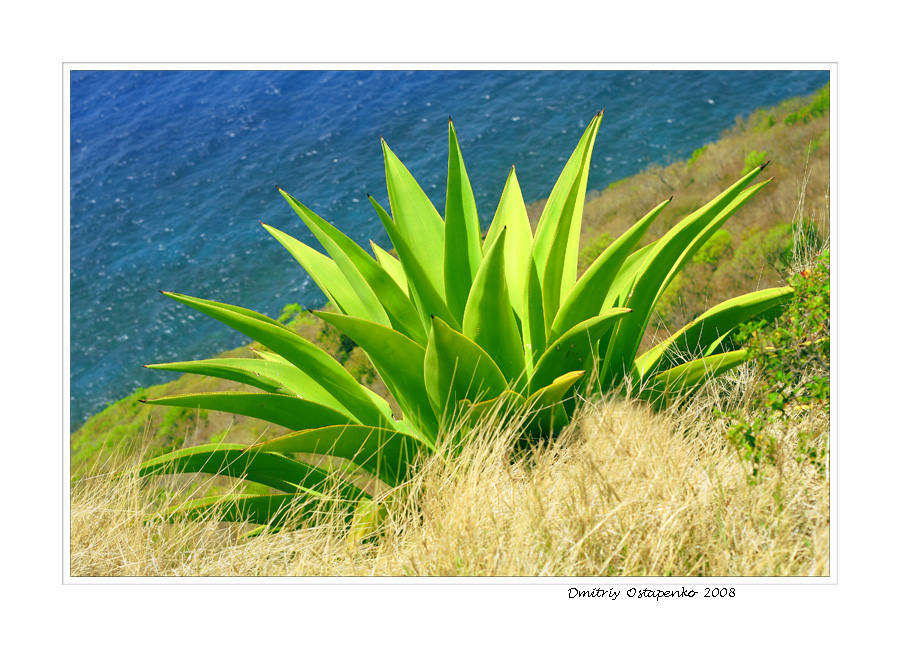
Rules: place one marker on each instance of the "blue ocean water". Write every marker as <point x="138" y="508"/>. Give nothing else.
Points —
<point x="172" y="171"/>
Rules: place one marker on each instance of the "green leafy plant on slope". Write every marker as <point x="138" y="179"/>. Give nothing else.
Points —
<point x="793" y="367"/>
<point x="457" y="327"/>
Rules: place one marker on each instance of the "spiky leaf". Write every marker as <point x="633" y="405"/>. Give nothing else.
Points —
<point x="667" y="258"/>
<point x="489" y="319"/>
<point x="273" y="470"/>
<point x="285" y="410"/>
<point x="429" y="299"/>
<point x="416" y="218"/>
<point x="462" y="242"/>
<point x="399" y="361"/>
<point x="457" y="369"/>
<point x="385" y="453"/>
<point x="576" y="350"/>
<point x="318" y="365"/>
<point x="512" y="217"/>
<point x="700" y="336"/>
<point x="386" y="303"/>
<point x="587" y="297"/>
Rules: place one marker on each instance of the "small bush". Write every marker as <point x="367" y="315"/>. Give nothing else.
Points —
<point x="818" y="108"/>
<point x="289" y="312"/>
<point x="793" y="364"/>
<point x="754" y="159"/>
<point x="696" y="154"/>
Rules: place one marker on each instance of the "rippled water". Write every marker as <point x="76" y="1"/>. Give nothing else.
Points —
<point x="172" y="171"/>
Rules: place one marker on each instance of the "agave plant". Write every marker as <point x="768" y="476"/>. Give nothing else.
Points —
<point x="456" y="325"/>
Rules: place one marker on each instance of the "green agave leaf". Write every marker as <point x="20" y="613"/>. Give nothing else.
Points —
<point x="587" y="297"/>
<point x="255" y="372"/>
<point x="315" y="363"/>
<point x="386" y="453"/>
<point x="555" y="283"/>
<point x="399" y="360"/>
<point x="273" y="470"/>
<point x="710" y="229"/>
<point x="534" y="336"/>
<point x="297" y="382"/>
<point x="512" y="217"/>
<point x="667" y="258"/>
<point x="576" y="350"/>
<point x="386" y="303"/>
<point x="269" y="356"/>
<point x="271" y="376"/>
<point x="489" y="319"/>
<point x="565" y="204"/>
<point x="392" y="266"/>
<point x="325" y="272"/>
<point x="546" y="411"/>
<point x="623" y="284"/>
<point x="664" y="388"/>
<point x="338" y="246"/>
<point x="462" y="243"/>
<point x="557" y="236"/>
<point x="504" y="403"/>
<point x="416" y="218"/>
<point x="429" y="299"/>
<point x="457" y="369"/>
<point x="704" y="333"/>
<point x="273" y="510"/>
<point x="285" y="410"/>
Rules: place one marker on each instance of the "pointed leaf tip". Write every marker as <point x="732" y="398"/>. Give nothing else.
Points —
<point x="764" y="165"/>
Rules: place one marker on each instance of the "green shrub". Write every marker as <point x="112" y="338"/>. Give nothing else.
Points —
<point x="290" y="312"/>
<point x="696" y="154"/>
<point x="793" y="363"/>
<point x="818" y="108"/>
<point x="753" y="159"/>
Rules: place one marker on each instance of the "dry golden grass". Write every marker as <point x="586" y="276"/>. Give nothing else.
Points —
<point x="623" y="492"/>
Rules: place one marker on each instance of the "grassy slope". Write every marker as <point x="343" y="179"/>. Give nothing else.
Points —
<point x="742" y="260"/>
<point x="624" y="492"/>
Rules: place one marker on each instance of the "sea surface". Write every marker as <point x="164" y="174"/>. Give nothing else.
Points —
<point x="172" y="172"/>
